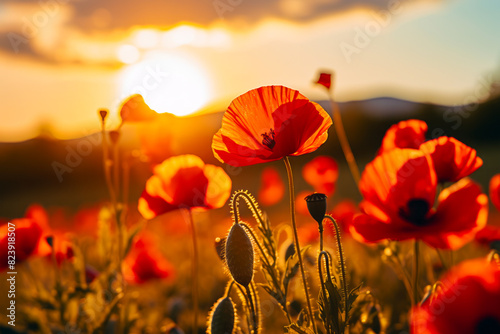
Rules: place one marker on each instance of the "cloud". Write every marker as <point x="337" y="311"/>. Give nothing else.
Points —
<point x="90" y="31"/>
<point x="124" y="14"/>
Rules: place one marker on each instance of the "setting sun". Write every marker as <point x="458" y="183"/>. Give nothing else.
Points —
<point x="169" y="83"/>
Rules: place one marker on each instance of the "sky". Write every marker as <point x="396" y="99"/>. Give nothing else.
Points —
<point x="62" y="60"/>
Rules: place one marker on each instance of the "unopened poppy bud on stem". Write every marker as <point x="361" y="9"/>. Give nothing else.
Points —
<point x="103" y="113"/>
<point x="239" y="255"/>
<point x="316" y="204"/>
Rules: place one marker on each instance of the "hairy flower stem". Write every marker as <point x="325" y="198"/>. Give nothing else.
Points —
<point x="342" y="264"/>
<point x="194" y="273"/>
<point x="253" y="312"/>
<point x="296" y="240"/>
<point x="344" y="142"/>
<point x="415" y="272"/>
<point x="321" y="279"/>
<point x="321" y="237"/>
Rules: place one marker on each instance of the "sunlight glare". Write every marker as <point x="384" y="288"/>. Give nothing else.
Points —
<point x="128" y="54"/>
<point x="168" y="83"/>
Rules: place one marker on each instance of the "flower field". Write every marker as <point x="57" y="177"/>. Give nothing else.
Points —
<point x="406" y="241"/>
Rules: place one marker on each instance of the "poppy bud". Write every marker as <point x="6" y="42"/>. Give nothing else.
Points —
<point x="222" y="317"/>
<point x="316" y="204"/>
<point x="103" y="113"/>
<point x="239" y="255"/>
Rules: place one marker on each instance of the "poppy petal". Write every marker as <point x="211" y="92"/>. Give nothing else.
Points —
<point x="219" y="186"/>
<point x="135" y="109"/>
<point x="394" y="178"/>
<point x="184" y="182"/>
<point x="405" y="134"/>
<point x="452" y="159"/>
<point x="465" y="302"/>
<point x="269" y="123"/>
<point x="495" y="191"/>
<point x="461" y="212"/>
<point x="325" y="80"/>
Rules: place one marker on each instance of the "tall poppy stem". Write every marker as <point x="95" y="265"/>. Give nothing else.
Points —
<point x="344" y="142"/>
<point x="194" y="273"/>
<point x="415" y="272"/>
<point x="342" y="266"/>
<point x="296" y="239"/>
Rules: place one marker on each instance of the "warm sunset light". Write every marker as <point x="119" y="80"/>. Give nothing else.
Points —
<point x="169" y="83"/>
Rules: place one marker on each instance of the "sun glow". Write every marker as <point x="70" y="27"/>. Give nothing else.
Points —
<point x="169" y="83"/>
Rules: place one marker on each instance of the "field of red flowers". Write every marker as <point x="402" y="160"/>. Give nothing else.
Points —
<point x="418" y="254"/>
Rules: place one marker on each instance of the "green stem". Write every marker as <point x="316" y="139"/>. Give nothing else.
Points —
<point x="344" y="142"/>
<point x="405" y="277"/>
<point x="296" y="239"/>
<point x="252" y="310"/>
<point x="415" y="272"/>
<point x="194" y="274"/>
<point x="342" y="265"/>
<point x="322" y="281"/>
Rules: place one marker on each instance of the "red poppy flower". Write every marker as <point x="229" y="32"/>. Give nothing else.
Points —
<point x="452" y="159"/>
<point x="495" y="191"/>
<point x="270" y="123"/>
<point x="488" y="235"/>
<point x="58" y="239"/>
<point x="467" y="302"/>
<point x="399" y="188"/>
<point x="29" y="241"/>
<point x="321" y="173"/>
<point x="272" y="188"/>
<point x="184" y="181"/>
<point x="145" y="263"/>
<point x="63" y="249"/>
<point x="135" y="109"/>
<point x="325" y="80"/>
<point x="405" y="134"/>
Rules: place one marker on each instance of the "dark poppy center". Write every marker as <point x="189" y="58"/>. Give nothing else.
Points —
<point x="268" y="139"/>
<point x="415" y="211"/>
<point x="488" y="325"/>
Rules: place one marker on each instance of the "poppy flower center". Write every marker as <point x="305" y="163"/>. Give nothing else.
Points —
<point x="268" y="139"/>
<point x="415" y="211"/>
<point x="488" y="325"/>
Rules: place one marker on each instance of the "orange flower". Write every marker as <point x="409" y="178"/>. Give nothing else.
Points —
<point x="135" y="109"/>
<point x="405" y="134"/>
<point x="184" y="181"/>
<point x="272" y="188"/>
<point x="325" y="80"/>
<point x="55" y="238"/>
<point x="466" y="302"/>
<point x="452" y="159"/>
<point x="270" y="123"/>
<point x="399" y="188"/>
<point x="495" y="191"/>
<point x="145" y="263"/>
<point x="321" y="173"/>
<point x="29" y="241"/>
